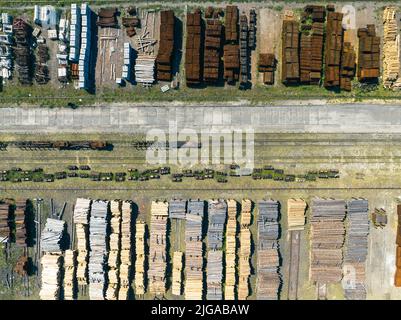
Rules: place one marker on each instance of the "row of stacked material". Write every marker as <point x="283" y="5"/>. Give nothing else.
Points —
<point x="70" y="264"/>
<point x="19" y="220"/>
<point x="290" y="47"/>
<point x="194" y="250"/>
<point x="157" y="247"/>
<point x="193" y="48"/>
<point x="231" y="251"/>
<point x="327" y="240"/>
<point x="296" y="214"/>
<point x="267" y="66"/>
<point x="334" y="41"/>
<point x="52" y="235"/>
<point x="4" y="223"/>
<point x="22" y="50"/>
<point x="231" y="23"/>
<point x="164" y="58"/>
<point x="231" y="49"/>
<point x="125" y="253"/>
<point x="391" y="48"/>
<point x="217" y="213"/>
<point x="75" y="33"/>
<point x="52" y="263"/>
<point x="347" y="70"/>
<point x="252" y="29"/>
<point x="356" y="249"/>
<point x="107" y="17"/>
<point x="368" y="54"/>
<point x="177" y="273"/>
<point x="268" y="280"/>
<point x="211" y="63"/>
<point x="397" y="276"/>
<point x="243" y="48"/>
<point x="84" y="64"/>
<point x="244" y="264"/>
<point x="140" y="229"/>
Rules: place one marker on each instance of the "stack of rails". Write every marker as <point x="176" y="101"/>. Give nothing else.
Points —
<point x="107" y="17"/>
<point x="267" y="65"/>
<point x="368" y="54"/>
<point x="75" y="34"/>
<point x="252" y="29"/>
<point x="140" y="258"/>
<point x="268" y="281"/>
<point x="125" y="254"/>
<point x="217" y="218"/>
<point x="19" y="221"/>
<point x="243" y="45"/>
<point x="52" y="235"/>
<point x="98" y="225"/>
<point x="164" y="58"/>
<point x="157" y="248"/>
<point x="193" y="48"/>
<point x="177" y="209"/>
<point x="244" y="250"/>
<point x="231" y="49"/>
<point x="311" y="47"/>
<point x="347" y="71"/>
<point x="22" y="50"/>
<point x="231" y="248"/>
<point x="296" y="214"/>
<point x="4" y="223"/>
<point x="356" y="248"/>
<point x="211" y="63"/>
<point x="84" y="64"/>
<point x="81" y="220"/>
<point x="397" y="276"/>
<point x="51" y="276"/>
<point x="114" y="252"/>
<point x="70" y="263"/>
<point x="334" y="40"/>
<point x="289" y="56"/>
<point x="145" y="69"/>
<point x="391" y="50"/>
<point x="327" y="240"/>
<point x="194" y="251"/>
<point x="177" y="273"/>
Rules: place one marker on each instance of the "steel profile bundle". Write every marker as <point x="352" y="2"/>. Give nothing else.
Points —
<point x="19" y="221"/>
<point x="70" y="264"/>
<point x="397" y="275"/>
<point x="157" y="247"/>
<point x="86" y="46"/>
<point x="52" y="263"/>
<point x="356" y="248"/>
<point x="22" y="50"/>
<point x="347" y="70"/>
<point x="368" y="54"/>
<point x="107" y="17"/>
<point x="194" y="250"/>
<point x="193" y="48"/>
<point x="391" y="48"/>
<point x="164" y="57"/>
<point x="267" y="66"/>
<point x="290" y="52"/>
<point x="145" y="69"/>
<point x="4" y="222"/>
<point x="140" y="258"/>
<point x="125" y="253"/>
<point x="98" y="240"/>
<point x="114" y="251"/>
<point x="75" y="33"/>
<point x="243" y="49"/>
<point x="268" y="277"/>
<point x="296" y="214"/>
<point x="52" y="235"/>
<point x="177" y="209"/>
<point x="231" y="251"/>
<point x="327" y="239"/>
<point x="211" y="57"/>
<point x="244" y="265"/>
<point x="334" y="41"/>
<point x="177" y="273"/>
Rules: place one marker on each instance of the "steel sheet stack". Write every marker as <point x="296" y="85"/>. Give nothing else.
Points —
<point x="177" y="273"/>
<point x="98" y="225"/>
<point x="368" y="54"/>
<point x="194" y="251"/>
<point x="157" y="248"/>
<point x="231" y="250"/>
<point x="244" y="250"/>
<point x="4" y="224"/>
<point x="268" y="279"/>
<point x="391" y="47"/>
<point x="296" y="214"/>
<point x="75" y="33"/>
<point x="177" y="209"/>
<point x="348" y="58"/>
<point x="114" y="253"/>
<point x="125" y="254"/>
<point x="290" y="51"/>
<point x="51" y="276"/>
<point x="211" y="63"/>
<point x="19" y="220"/>
<point x="166" y="46"/>
<point x="356" y="249"/>
<point x="70" y="263"/>
<point x="327" y="240"/>
<point x="334" y="40"/>
<point x="193" y="48"/>
<point x="52" y="235"/>
<point x="140" y="258"/>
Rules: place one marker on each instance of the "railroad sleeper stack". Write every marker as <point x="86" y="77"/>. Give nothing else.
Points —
<point x="397" y="276"/>
<point x="19" y="221"/>
<point x="4" y="222"/>
<point x="334" y="41"/>
<point x="193" y="48"/>
<point x="368" y="54"/>
<point x="290" y="51"/>
<point x="244" y="50"/>
<point x="267" y="66"/>
<point x="347" y="72"/>
<point x="211" y="63"/>
<point x="164" y="57"/>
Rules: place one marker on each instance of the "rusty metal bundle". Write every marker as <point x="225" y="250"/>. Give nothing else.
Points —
<point x="107" y="17"/>
<point x="334" y="40"/>
<point x="290" y="50"/>
<point x="193" y="48"/>
<point x="166" y="46"/>
<point x="368" y="54"/>
<point x="211" y="63"/>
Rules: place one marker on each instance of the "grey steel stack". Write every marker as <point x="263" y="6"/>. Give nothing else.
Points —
<point x="268" y="281"/>
<point x="177" y="209"/>
<point x="52" y="235"/>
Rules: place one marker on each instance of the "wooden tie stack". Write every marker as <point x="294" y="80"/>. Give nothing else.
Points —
<point x="267" y="66"/>
<point x="231" y="248"/>
<point x="296" y="214"/>
<point x="231" y="49"/>
<point x="4" y="224"/>
<point x="211" y="63"/>
<point x="334" y="40"/>
<point x="244" y="250"/>
<point x="140" y="258"/>
<point x="157" y="247"/>
<point x="391" y="52"/>
<point x="166" y="46"/>
<point x="125" y="253"/>
<point x="51" y="276"/>
<point x="193" y="48"/>
<point x="348" y="58"/>
<point x="290" y="47"/>
<point x="177" y="273"/>
<point x="19" y="220"/>
<point x="70" y="263"/>
<point x="368" y="54"/>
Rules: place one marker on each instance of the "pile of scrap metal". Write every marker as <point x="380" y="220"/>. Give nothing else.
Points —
<point x="231" y="48"/>
<point x="267" y="66"/>
<point x="107" y="17"/>
<point x="22" y="50"/>
<point x="368" y="54"/>
<point x="166" y="46"/>
<point x="42" y="70"/>
<point x="131" y="22"/>
<point x="51" y="276"/>
<point x="6" y="42"/>
<point x="4" y="223"/>
<point x="52" y="235"/>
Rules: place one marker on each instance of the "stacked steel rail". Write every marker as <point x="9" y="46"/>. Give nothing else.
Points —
<point x="193" y="48"/>
<point x="231" y="251"/>
<point x="334" y="41"/>
<point x="125" y="253"/>
<point x="290" y="50"/>
<point x="166" y="46"/>
<point x="231" y="49"/>
<point x="70" y="264"/>
<point x="244" y="250"/>
<point x="368" y="54"/>
<point x="140" y="258"/>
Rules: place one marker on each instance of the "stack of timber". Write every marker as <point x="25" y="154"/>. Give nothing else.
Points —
<point x="140" y="258"/>
<point x="356" y="248"/>
<point x="157" y="247"/>
<point x="52" y="235"/>
<point x="98" y="226"/>
<point x="327" y="240"/>
<point x="214" y="275"/>
<point x="22" y="50"/>
<point x="114" y="251"/>
<point x="211" y="63"/>
<point x="42" y="70"/>
<point x="194" y="251"/>
<point x="267" y="66"/>
<point x="81" y="220"/>
<point x="4" y="223"/>
<point x="296" y="214"/>
<point x="51" y="276"/>
<point x="193" y="48"/>
<point x="397" y="276"/>
<point x="217" y="219"/>
<point x="19" y="221"/>
<point x="231" y="49"/>
<point x="368" y="54"/>
<point x="244" y="49"/>
<point x="177" y="209"/>
<point x="244" y="265"/>
<point x="177" y="273"/>
<point x="290" y="50"/>
<point x="334" y="40"/>
<point x="391" y="47"/>
<point x="70" y="263"/>
<point x="252" y="29"/>
<point x="166" y="46"/>
<point x="268" y="281"/>
<point x="348" y="58"/>
<point x="107" y="17"/>
<point x="231" y="250"/>
<point x="231" y="24"/>
<point x="125" y="253"/>
<point x="145" y="69"/>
